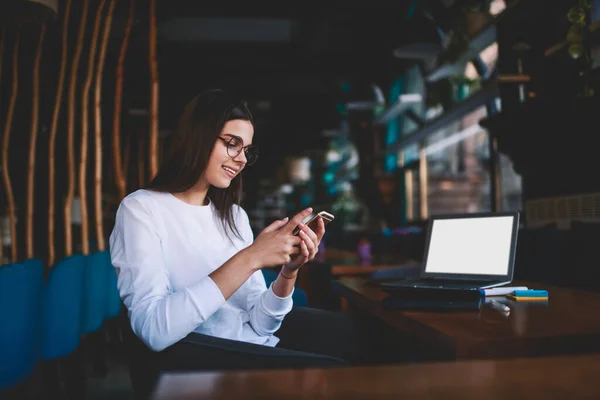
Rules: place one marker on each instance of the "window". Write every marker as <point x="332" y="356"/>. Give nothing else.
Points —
<point x="457" y="170"/>
<point x="458" y="174"/>
<point x="455" y="161"/>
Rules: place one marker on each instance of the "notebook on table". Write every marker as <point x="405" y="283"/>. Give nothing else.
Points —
<point x="465" y="252"/>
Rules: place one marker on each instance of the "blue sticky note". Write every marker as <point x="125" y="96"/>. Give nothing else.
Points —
<point x="530" y="293"/>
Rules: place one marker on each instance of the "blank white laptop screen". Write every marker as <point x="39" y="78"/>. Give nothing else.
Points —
<point x="470" y="246"/>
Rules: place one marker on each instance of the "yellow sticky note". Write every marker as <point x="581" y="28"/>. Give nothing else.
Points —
<point x="513" y="297"/>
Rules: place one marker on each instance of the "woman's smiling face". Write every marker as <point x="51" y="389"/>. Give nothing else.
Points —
<point x="221" y="167"/>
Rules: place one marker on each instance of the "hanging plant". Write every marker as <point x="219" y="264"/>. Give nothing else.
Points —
<point x="471" y="21"/>
<point x="457" y="46"/>
<point x="579" y="43"/>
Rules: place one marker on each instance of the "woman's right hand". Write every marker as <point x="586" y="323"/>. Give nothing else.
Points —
<point x="276" y="244"/>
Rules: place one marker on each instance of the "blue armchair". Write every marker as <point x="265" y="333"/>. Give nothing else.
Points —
<point x="299" y="296"/>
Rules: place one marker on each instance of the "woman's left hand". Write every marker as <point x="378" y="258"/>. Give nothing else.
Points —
<point x="309" y="247"/>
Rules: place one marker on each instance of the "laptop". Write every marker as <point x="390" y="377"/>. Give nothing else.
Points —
<point x="466" y="252"/>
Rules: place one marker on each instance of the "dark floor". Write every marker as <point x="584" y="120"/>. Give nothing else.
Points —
<point x="77" y="377"/>
<point x="114" y="386"/>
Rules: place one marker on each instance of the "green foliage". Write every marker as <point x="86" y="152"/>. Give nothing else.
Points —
<point x="578" y="40"/>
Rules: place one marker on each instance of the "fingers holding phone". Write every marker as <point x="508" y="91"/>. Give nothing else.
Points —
<point x="309" y="239"/>
<point x="312" y="221"/>
<point x="311" y="231"/>
<point x="320" y="231"/>
<point x="292" y="226"/>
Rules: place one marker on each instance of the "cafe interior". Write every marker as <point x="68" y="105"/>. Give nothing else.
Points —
<point x="385" y="114"/>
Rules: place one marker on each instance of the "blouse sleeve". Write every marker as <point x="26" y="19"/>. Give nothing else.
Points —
<point x="158" y="315"/>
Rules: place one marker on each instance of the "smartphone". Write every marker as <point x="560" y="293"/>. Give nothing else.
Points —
<point x="312" y="220"/>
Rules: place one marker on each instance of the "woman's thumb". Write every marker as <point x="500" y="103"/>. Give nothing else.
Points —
<point x="276" y="225"/>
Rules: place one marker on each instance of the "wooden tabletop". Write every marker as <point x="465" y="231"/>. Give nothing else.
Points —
<point x="568" y="323"/>
<point x="357" y="269"/>
<point x="548" y="378"/>
<point x="342" y="258"/>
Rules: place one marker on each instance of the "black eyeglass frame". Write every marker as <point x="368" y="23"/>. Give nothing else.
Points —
<point x="244" y="148"/>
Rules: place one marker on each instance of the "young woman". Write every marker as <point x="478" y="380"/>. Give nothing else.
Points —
<point x="183" y="248"/>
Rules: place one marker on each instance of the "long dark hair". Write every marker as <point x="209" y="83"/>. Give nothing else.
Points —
<point x="190" y="147"/>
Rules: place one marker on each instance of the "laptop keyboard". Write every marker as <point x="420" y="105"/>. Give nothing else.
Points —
<point x="439" y="284"/>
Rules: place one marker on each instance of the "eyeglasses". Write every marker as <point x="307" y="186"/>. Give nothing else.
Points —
<point x="235" y="145"/>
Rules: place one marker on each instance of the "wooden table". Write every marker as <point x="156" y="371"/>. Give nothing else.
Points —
<point x="319" y="291"/>
<point x="569" y="323"/>
<point x="356" y="269"/>
<point x="349" y="263"/>
<point x="540" y="378"/>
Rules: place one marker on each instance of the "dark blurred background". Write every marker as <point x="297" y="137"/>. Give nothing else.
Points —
<point x="381" y="112"/>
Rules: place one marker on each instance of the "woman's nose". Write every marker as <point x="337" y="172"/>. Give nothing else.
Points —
<point x="241" y="157"/>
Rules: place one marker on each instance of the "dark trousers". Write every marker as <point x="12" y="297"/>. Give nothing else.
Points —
<point x="309" y="337"/>
<point x="341" y="335"/>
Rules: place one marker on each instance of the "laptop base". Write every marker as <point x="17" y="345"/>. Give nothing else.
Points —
<point x="440" y="284"/>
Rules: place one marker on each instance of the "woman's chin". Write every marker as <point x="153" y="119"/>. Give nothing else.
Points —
<point x="222" y="183"/>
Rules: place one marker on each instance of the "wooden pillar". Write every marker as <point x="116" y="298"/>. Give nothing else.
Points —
<point x="495" y="178"/>
<point x="5" y="146"/>
<point x="71" y="132"/>
<point x="52" y="138"/>
<point x="409" y="192"/>
<point x="35" y="111"/>
<point x="98" y="130"/>
<point x="153" y="140"/>
<point x="85" y="241"/>
<point x="120" y="174"/>
<point x="423" y="184"/>
<point x="2" y="39"/>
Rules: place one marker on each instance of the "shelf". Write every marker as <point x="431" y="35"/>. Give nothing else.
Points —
<point x="399" y="107"/>
<point x="426" y="53"/>
<point x="513" y="78"/>
<point x="483" y="96"/>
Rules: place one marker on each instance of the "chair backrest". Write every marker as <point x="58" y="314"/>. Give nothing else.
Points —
<point x="584" y="255"/>
<point x="20" y="308"/>
<point x="541" y="253"/>
<point x="63" y="307"/>
<point x="95" y="291"/>
<point x="270" y="275"/>
<point x="113" y="300"/>
<point x="299" y="296"/>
